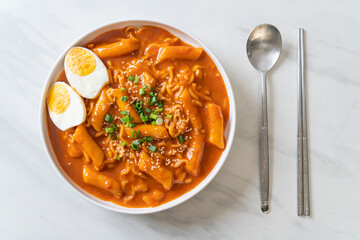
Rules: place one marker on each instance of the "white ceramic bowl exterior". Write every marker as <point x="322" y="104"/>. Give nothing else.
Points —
<point x="58" y="68"/>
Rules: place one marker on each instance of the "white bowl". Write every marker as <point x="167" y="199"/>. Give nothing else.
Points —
<point x="58" y="68"/>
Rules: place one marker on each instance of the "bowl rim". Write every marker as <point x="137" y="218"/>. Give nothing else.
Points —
<point x="44" y="134"/>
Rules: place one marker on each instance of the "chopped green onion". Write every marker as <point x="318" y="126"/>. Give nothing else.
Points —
<point x="138" y="105"/>
<point x="131" y="78"/>
<point x="111" y="129"/>
<point x="123" y="144"/>
<point x="131" y="125"/>
<point x="109" y="118"/>
<point x="125" y="113"/>
<point x="137" y="80"/>
<point x="153" y="123"/>
<point x="153" y="100"/>
<point x="152" y="94"/>
<point x="160" y="104"/>
<point x="154" y="115"/>
<point x="159" y="110"/>
<point x="139" y="133"/>
<point x="135" y="145"/>
<point x="114" y="127"/>
<point x="142" y="92"/>
<point x="148" y="99"/>
<point x="113" y="136"/>
<point x="181" y="139"/>
<point x="168" y="116"/>
<point x="125" y="119"/>
<point x="124" y="98"/>
<point x="123" y="89"/>
<point x="148" y="110"/>
<point x="118" y="158"/>
<point x="151" y="87"/>
<point x="144" y="117"/>
<point x="159" y="121"/>
<point x="153" y="148"/>
<point x="144" y="86"/>
<point x="134" y="134"/>
<point x="147" y="139"/>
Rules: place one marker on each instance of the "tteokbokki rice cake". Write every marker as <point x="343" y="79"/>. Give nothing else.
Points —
<point x="138" y="116"/>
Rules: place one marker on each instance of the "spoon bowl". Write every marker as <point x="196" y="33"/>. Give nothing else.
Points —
<point x="264" y="47"/>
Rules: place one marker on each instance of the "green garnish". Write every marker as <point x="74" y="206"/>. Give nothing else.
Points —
<point x="159" y="110"/>
<point x="137" y="80"/>
<point x="168" y="116"/>
<point x="113" y="136"/>
<point x="123" y="89"/>
<point x="181" y="139"/>
<point x="124" y="98"/>
<point x="160" y="104"/>
<point x="109" y="118"/>
<point x="138" y="105"/>
<point x="139" y="133"/>
<point x="113" y="127"/>
<point x="147" y="139"/>
<point x="153" y="148"/>
<point x="152" y="94"/>
<point x="125" y="113"/>
<point x="153" y="123"/>
<point x="142" y="92"/>
<point x="125" y="119"/>
<point x="148" y="110"/>
<point x="131" y="125"/>
<point x="135" y="144"/>
<point x="131" y="78"/>
<point x="144" y="117"/>
<point x="153" y="100"/>
<point x="151" y="87"/>
<point x="118" y="158"/>
<point x="123" y="144"/>
<point x="134" y="134"/>
<point x="154" y="115"/>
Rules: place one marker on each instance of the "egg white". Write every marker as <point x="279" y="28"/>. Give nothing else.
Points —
<point x="88" y="86"/>
<point x="74" y="114"/>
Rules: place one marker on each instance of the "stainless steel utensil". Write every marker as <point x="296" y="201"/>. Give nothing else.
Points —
<point x="263" y="50"/>
<point x="303" y="195"/>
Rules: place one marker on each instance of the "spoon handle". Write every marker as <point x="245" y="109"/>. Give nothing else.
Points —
<point x="264" y="149"/>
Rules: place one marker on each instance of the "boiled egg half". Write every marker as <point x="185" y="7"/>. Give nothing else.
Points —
<point x="66" y="107"/>
<point x="85" y="72"/>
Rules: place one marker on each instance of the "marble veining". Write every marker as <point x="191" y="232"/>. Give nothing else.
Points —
<point x="36" y="204"/>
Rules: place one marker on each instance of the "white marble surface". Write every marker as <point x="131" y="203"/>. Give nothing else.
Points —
<point x="36" y="204"/>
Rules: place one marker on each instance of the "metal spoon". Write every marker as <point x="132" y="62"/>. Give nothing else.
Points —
<point x="263" y="49"/>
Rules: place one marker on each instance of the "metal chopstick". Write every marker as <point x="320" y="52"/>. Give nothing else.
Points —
<point x="303" y="164"/>
<point x="300" y="184"/>
<point x="304" y="135"/>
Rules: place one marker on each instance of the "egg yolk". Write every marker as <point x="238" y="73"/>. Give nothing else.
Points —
<point x="80" y="61"/>
<point x="58" y="98"/>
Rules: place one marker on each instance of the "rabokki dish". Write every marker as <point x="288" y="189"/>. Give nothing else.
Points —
<point x="138" y="116"/>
